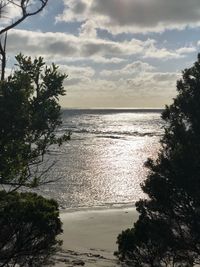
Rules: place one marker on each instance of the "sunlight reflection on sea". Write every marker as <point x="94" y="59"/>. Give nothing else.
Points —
<point x="103" y="164"/>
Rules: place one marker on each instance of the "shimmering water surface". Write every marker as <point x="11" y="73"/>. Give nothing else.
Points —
<point x="103" y="164"/>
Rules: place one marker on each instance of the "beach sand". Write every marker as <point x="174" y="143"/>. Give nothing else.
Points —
<point x="89" y="237"/>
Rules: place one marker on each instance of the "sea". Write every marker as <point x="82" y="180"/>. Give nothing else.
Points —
<point x="102" y="166"/>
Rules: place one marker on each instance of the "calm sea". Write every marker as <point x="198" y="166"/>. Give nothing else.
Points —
<point x="103" y="163"/>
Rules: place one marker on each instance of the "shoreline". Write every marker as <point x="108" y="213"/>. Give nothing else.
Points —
<point x="89" y="236"/>
<point x="110" y="206"/>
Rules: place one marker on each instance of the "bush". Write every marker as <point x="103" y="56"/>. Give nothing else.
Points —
<point x="29" y="225"/>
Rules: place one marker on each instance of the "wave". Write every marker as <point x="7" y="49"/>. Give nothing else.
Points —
<point x="99" y="207"/>
<point x="113" y="134"/>
<point x="110" y="136"/>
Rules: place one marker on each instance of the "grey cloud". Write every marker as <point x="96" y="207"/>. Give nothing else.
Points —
<point x="144" y="16"/>
<point x="62" y="47"/>
<point x="79" y="7"/>
<point x="148" y="13"/>
<point x="18" y="42"/>
<point x="90" y="49"/>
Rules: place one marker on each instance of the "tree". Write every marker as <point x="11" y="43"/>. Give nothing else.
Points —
<point x="29" y="225"/>
<point x="167" y="232"/>
<point x="29" y="117"/>
<point x="30" y="113"/>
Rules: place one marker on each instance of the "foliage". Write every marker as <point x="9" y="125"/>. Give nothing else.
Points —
<point x="29" y="117"/>
<point x="167" y="232"/>
<point x="29" y="225"/>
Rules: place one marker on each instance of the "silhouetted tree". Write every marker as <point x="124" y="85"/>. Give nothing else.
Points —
<point x="167" y="232"/>
<point x="29" y="225"/>
<point x="29" y="117"/>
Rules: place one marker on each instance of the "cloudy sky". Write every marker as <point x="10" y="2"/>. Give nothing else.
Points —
<point x="117" y="53"/>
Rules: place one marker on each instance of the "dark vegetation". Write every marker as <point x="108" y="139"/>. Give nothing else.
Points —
<point x="167" y="232"/>
<point x="29" y="117"/>
<point x="29" y="224"/>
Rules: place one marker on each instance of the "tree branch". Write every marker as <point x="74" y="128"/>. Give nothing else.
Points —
<point x="25" y="14"/>
<point x="3" y="56"/>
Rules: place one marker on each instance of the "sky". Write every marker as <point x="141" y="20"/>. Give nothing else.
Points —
<point x="116" y="53"/>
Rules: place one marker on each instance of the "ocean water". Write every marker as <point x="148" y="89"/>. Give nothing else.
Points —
<point x="103" y="163"/>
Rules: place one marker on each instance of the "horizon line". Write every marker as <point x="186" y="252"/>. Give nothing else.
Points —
<point x="115" y="108"/>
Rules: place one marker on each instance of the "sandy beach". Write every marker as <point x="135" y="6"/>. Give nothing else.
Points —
<point x="89" y="237"/>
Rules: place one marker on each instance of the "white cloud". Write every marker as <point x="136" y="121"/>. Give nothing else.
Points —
<point x="186" y="50"/>
<point x="102" y="66"/>
<point x="77" y="75"/>
<point x="151" y="51"/>
<point x="119" y="16"/>
<point x="95" y="59"/>
<point x="74" y="71"/>
<point x="137" y="76"/>
<point x="137" y="80"/>
<point x="88" y="29"/>
<point x="132" y="69"/>
<point x="56" y="46"/>
<point x="141" y="77"/>
<point x="152" y="84"/>
<point x="148" y="89"/>
<point x="104" y="60"/>
<point x="61" y="44"/>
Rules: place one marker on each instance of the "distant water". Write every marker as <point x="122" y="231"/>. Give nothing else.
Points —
<point x="103" y="164"/>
